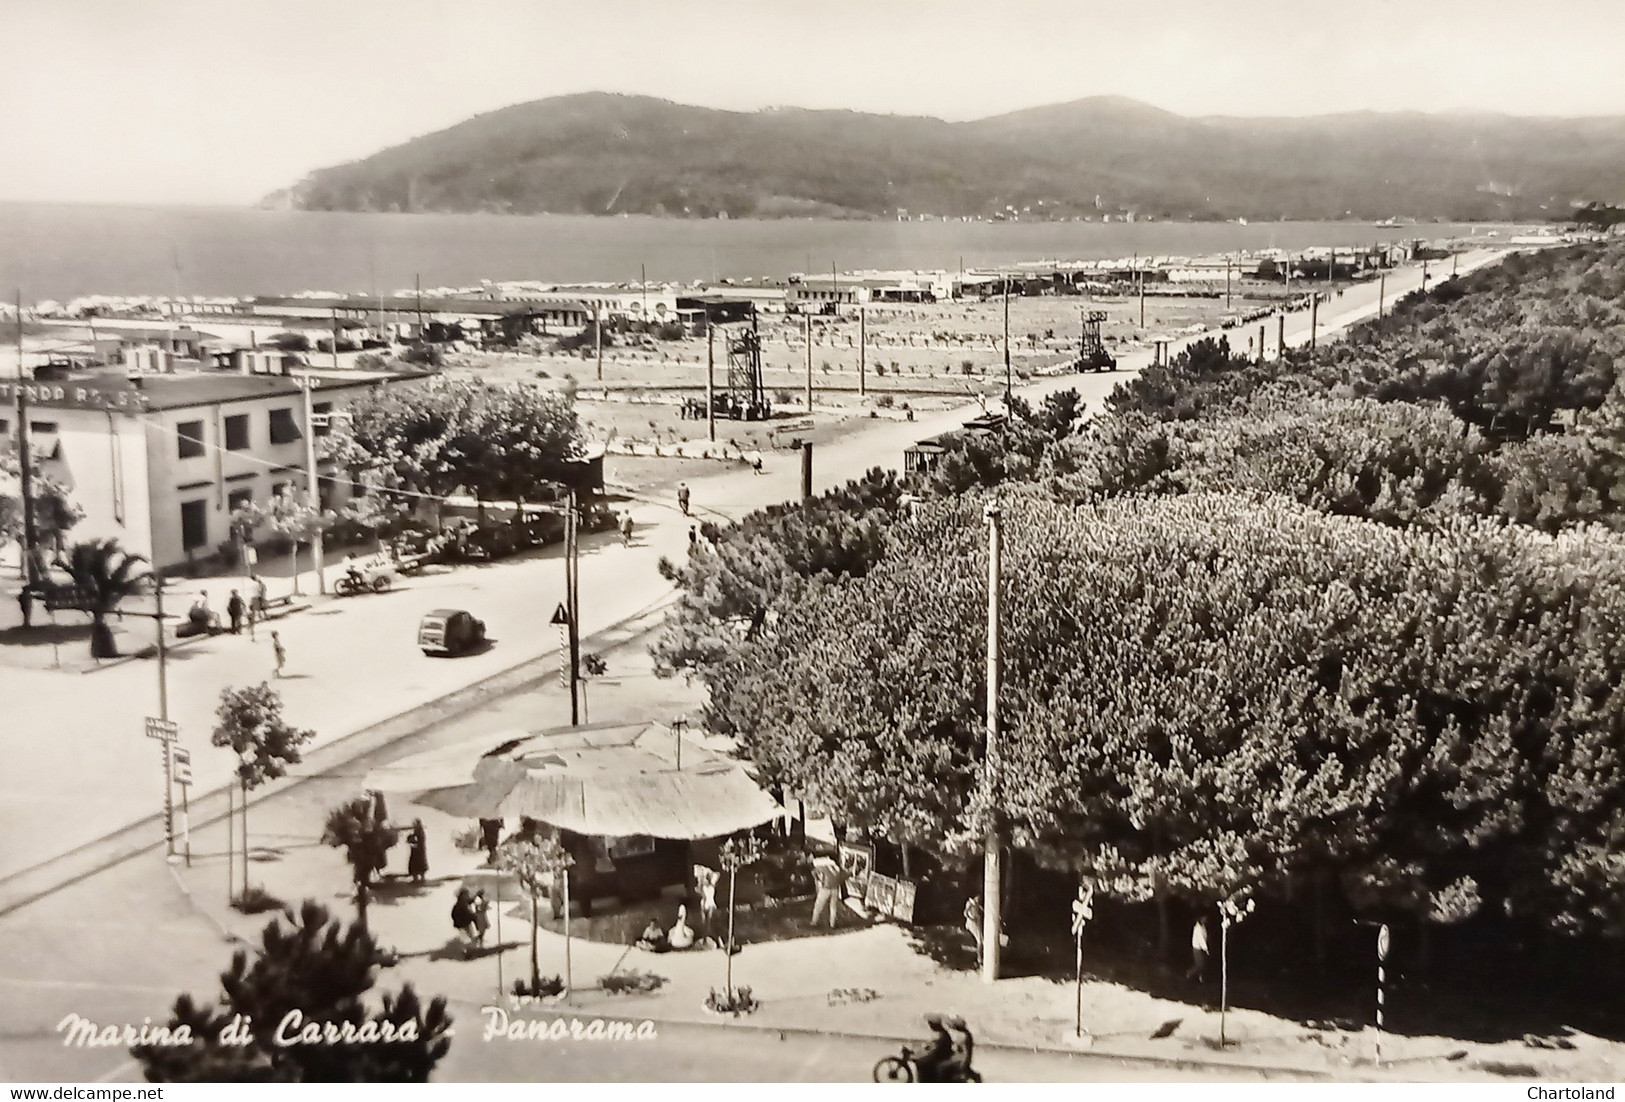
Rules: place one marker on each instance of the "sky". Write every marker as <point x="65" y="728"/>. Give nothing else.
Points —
<point x="224" y="101"/>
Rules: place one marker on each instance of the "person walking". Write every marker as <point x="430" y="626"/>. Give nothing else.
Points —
<point x="25" y="601"/>
<point x="462" y="915"/>
<point x="234" y="611"/>
<point x="490" y="838"/>
<point x="279" y="652"/>
<point x="481" y="908"/>
<point x="1198" y="968"/>
<point x="417" y="852"/>
<point x="682" y="497"/>
<point x="827" y="881"/>
<point x="260" y="607"/>
<point x="626" y="528"/>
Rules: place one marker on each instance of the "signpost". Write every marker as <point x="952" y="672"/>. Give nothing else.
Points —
<point x="166" y="732"/>
<point x="1083" y="909"/>
<point x="180" y="769"/>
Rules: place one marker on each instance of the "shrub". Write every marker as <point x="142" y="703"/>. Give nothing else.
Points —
<point x="885" y="401"/>
<point x="545" y="987"/>
<point x="631" y="983"/>
<point x="735" y="1001"/>
<point x="256" y="900"/>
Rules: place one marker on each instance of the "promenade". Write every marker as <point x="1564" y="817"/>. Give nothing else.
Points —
<point x="81" y="767"/>
<point x="93" y="921"/>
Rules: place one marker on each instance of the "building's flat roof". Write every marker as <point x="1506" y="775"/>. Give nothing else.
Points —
<point x="180" y="391"/>
<point x="410" y="304"/>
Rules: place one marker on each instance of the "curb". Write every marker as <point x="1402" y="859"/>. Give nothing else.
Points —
<point x="1170" y="1062"/>
<point x="31" y="884"/>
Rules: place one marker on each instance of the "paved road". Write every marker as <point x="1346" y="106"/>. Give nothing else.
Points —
<point x="79" y="768"/>
<point x="696" y="1054"/>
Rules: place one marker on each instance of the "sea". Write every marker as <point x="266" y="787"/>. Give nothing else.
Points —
<point x="61" y="251"/>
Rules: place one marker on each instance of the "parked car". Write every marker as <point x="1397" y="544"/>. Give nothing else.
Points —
<point x="450" y="631"/>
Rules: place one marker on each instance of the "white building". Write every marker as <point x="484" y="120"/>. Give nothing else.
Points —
<point x="160" y="461"/>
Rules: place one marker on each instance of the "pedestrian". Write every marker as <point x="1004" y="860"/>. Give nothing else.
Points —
<point x="973" y="922"/>
<point x="234" y="610"/>
<point x="280" y="652"/>
<point x="25" y="601"/>
<point x="682" y="497"/>
<point x="462" y="914"/>
<point x="259" y="595"/>
<point x="482" y="917"/>
<point x="1198" y="969"/>
<point x="827" y="880"/>
<point x="417" y="852"/>
<point x="756" y="463"/>
<point x="705" y="884"/>
<point x="490" y="838"/>
<point x="626" y="528"/>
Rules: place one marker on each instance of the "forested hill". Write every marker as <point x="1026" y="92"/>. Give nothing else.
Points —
<point x="597" y="153"/>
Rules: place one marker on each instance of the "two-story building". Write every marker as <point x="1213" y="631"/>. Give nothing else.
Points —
<point x="160" y="461"/>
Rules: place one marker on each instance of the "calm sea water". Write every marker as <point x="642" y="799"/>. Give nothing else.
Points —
<point x="52" y="251"/>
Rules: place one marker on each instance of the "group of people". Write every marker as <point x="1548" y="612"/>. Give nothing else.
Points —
<point x="946" y="1056"/>
<point x="471" y="917"/>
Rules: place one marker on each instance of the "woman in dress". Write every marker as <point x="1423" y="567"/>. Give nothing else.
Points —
<point x="417" y="856"/>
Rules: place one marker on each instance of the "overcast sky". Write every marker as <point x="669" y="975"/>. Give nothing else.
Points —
<point x="222" y="101"/>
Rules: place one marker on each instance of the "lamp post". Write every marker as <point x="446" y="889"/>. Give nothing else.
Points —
<point x="990" y="763"/>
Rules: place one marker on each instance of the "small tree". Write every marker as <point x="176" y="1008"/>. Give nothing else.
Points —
<point x="251" y="726"/>
<point x="536" y="865"/>
<point x="322" y="972"/>
<point x="105" y="574"/>
<point x="737" y="852"/>
<point x="366" y="840"/>
<point x="295" y="515"/>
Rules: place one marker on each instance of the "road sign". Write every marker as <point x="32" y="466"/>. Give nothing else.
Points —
<point x="1083" y="909"/>
<point x="560" y="616"/>
<point x="181" y="766"/>
<point x="1383" y="943"/>
<point x="162" y="729"/>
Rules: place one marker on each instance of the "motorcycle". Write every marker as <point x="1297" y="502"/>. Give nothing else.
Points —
<point x="903" y="1068"/>
<point x="349" y="584"/>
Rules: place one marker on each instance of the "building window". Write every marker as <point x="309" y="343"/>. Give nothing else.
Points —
<point x="237" y="499"/>
<point x="5" y="428"/>
<point x="283" y="428"/>
<point x="194" y="524"/>
<point x="237" y="432"/>
<point x="190" y="435"/>
<point x="42" y="426"/>
<point x="319" y="412"/>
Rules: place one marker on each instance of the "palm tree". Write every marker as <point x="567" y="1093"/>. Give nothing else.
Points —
<point x="355" y="828"/>
<point x="105" y="574"/>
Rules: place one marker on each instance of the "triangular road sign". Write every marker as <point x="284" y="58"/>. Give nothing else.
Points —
<point x="560" y="616"/>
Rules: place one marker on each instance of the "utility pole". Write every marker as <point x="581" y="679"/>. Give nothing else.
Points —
<point x="1382" y="291"/>
<point x="1227" y="284"/>
<point x="809" y="362"/>
<point x="643" y="283"/>
<point x="598" y="340"/>
<point x="1007" y="389"/>
<point x="1314" y="320"/>
<point x="806" y="471"/>
<point x="863" y="350"/>
<point x="990" y="759"/>
<point x="417" y="283"/>
<point x="313" y="484"/>
<point x="1280" y="335"/>
<point x="1260" y="344"/>
<point x="335" y="338"/>
<point x="1141" y="276"/>
<point x="25" y="464"/>
<point x="572" y="636"/>
<point x="710" y="379"/>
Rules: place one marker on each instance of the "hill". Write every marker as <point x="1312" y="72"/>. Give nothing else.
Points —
<point x="597" y="153"/>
